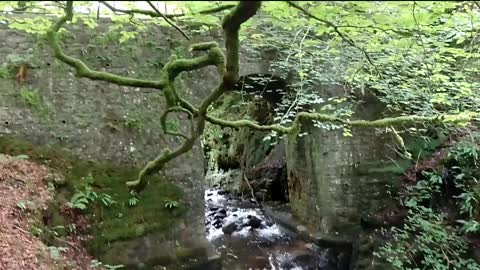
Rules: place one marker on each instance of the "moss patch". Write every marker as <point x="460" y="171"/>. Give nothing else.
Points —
<point x="118" y="221"/>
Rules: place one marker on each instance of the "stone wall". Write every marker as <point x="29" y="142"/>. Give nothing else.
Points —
<point x="327" y="189"/>
<point x="99" y="121"/>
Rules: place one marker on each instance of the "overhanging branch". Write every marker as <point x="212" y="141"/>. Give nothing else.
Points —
<point x="81" y="68"/>
<point x="325" y="118"/>
<point x="231" y="26"/>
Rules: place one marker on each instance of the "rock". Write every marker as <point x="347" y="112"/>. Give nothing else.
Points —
<point x="213" y="208"/>
<point x="234" y="210"/>
<point x="220" y="216"/>
<point x="217" y="224"/>
<point x="301" y="229"/>
<point x="234" y="215"/>
<point x="312" y="247"/>
<point x="253" y="222"/>
<point x="223" y="211"/>
<point x="209" y="194"/>
<point x="259" y="262"/>
<point x="230" y="228"/>
<point x="304" y="258"/>
<point x="222" y="192"/>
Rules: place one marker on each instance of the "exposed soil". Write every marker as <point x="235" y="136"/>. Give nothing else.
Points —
<point x="24" y="195"/>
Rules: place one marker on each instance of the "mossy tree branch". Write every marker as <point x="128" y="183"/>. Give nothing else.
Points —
<point x="81" y="68"/>
<point x="384" y="122"/>
<point x="228" y="68"/>
<point x="163" y="122"/>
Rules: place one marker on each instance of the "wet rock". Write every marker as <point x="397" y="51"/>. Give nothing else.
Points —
<point x="213" y="208"/>
<point x="304" y="258"/>
<point x="259" y="262"/>
<point x="230" y="228"/>
<point x="222" y="211"/>
<point x="218" y="224"/>
<point x="222" y="192"/>
<point x="234" y="215"/>
<point x="209" y="194"/>
<point x="220" y="216"/>
<point x="253" y="222"/>
<point x="269" y="177"/>
<point x="234" y="210"/>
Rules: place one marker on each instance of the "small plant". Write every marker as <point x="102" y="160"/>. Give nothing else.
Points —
<point x="170" y="204"/>
<point x="106" y="199"/>
<point x="133" y="201"/>
<point x="31" y="97"/>
<point x="134" y="121"/>
<point x="22" y="205"/>
<point x="81" y="199"/>
<point x="4" y="72"/>
<point x="36" y="231"/>
<point x="470" y="226"/>
<point x="72" y="228"/>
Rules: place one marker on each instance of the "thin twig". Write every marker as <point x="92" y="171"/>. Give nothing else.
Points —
<point x="168" y="20"/>
<point x="252" y="192"/>
<point x="339" y="33"/>
<point x="170" y="16"/>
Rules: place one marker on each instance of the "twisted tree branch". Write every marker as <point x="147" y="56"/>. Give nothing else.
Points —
<point x="231" y="23"/>
<point x="228" y="68"/>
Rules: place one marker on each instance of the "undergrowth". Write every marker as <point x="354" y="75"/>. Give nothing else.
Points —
<point x="443" y="212"/>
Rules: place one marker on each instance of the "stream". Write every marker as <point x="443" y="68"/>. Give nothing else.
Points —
<point x="246" y="239"/>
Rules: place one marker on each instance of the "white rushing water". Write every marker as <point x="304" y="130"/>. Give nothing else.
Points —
<point x="269" y="241"/>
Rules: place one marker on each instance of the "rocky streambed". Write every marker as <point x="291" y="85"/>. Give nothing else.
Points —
<point x="246" y="238"/>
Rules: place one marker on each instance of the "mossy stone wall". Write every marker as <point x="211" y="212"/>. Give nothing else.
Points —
<point x="101" y="123"/>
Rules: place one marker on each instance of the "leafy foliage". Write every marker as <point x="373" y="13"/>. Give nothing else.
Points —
<point x="428" y="238"/>
<point x="82" y="198"/>
<point x="170" y="203"/>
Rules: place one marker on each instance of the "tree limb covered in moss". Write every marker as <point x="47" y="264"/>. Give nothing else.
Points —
<point x="168" y="73"/>
<point x="231" y="26"/>
<point x="163" y="122"/>
<point x="384" y="122"/>
<point x="81" y="68"/>
<point x="169" y="16"/>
